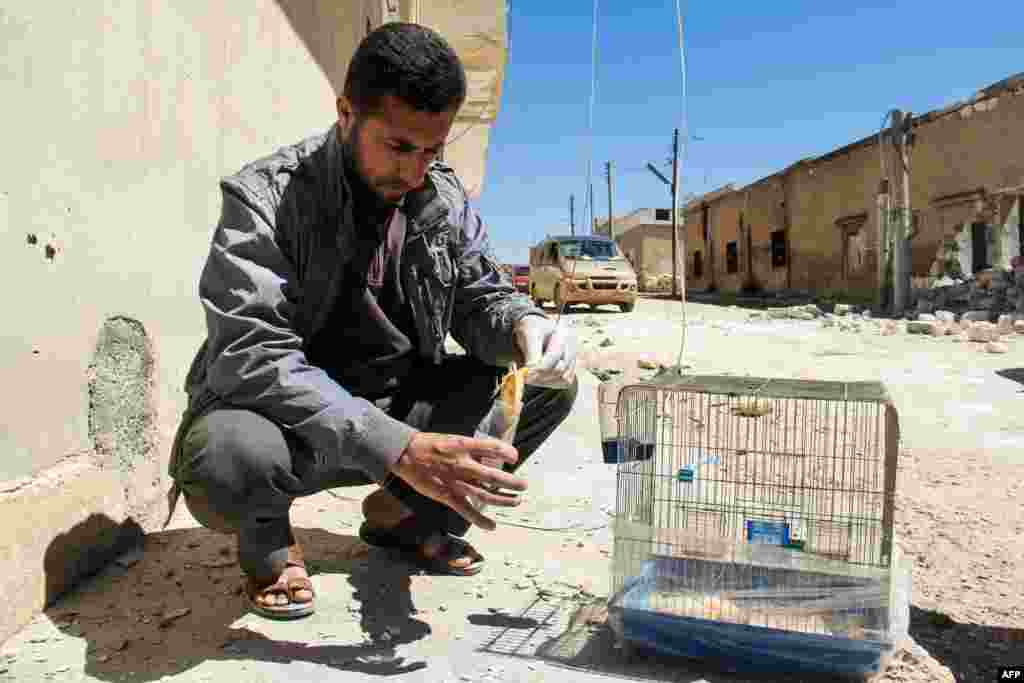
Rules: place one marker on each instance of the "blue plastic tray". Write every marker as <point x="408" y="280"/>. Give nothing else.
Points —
<point x="749" y="649"/>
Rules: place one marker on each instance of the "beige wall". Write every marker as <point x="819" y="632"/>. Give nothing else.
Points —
<point x="122" y="116"/>
<point x="477" y="30"/>
<point x="650" y="248"/>
<point x="119" y="118"/>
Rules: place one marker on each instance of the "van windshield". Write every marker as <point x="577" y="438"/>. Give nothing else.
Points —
<point x="597" y="250"/>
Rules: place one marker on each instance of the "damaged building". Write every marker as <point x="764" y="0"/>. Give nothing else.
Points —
<point x="823" y="226"/>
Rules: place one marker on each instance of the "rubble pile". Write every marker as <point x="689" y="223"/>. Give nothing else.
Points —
<point x="657" y="283"/>
<point x="972" y="326"/>
<point x="996" y="291"/>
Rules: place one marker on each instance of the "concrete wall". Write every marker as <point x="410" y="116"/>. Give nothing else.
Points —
<point x="121" y="116"/>
<point x="650" y="246"/>
<point x="119" y="120"/>
<point x="478" y="31"/>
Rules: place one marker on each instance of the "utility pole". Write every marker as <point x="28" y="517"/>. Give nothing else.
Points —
<point x="884" y="245"/>
<point x="675" y="216"/>
<point x="902" y="137"/>
<point x="611" y="224"/>
<point x="572" y="214"/>
<point x="593" y="218"/>
<point x="674" y="185"/>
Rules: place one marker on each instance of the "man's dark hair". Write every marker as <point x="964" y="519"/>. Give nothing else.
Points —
<point x="407" y="61"/>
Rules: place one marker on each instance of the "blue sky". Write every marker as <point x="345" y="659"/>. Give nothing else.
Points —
<point x="767" y="84"/>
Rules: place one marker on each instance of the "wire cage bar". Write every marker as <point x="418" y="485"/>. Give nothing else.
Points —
<point x="756" y="503"/>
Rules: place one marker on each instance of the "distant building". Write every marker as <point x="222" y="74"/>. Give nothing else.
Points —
<point x="645" y="237"/>
<point x="822" y="225"/>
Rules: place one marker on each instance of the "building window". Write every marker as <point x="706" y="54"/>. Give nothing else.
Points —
<point x="698" y="264"/>
<point x="732" y="258"/>
<point x="663" y="214"/>
<point x="979" y="247"/>
<point x="853" y="253"/>
<point x="778" y="248"/>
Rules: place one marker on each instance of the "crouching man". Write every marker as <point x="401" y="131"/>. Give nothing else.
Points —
<point x="337" y="269"/>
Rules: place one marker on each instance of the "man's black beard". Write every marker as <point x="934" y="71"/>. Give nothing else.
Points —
<point x="368" y="205"/>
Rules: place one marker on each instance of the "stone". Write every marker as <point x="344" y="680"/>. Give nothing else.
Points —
<point x="982" y="332"/>
<point x="996" y="347"/>
<point x="953" y="328"/>
<point x="927" y="317"/>
<point x="173" y="615"/>
<point x="828" y="322"/>
<point x="962" y="337"/>
<point x="842" y="309"/>
<point x="976" y="316"/>
<point x="938" y="329"/>
<point x="1005" y="324"/>
<point x="645" y="364"/>
<point x="1018" y="326"/>
<point x="945" y="316"/>
<point x="888" y="328"/>
<point x="778" y="313"/>
<point x="755" y="315"/>
<point x="922" y="327"/>
<point x="606" y="343"/>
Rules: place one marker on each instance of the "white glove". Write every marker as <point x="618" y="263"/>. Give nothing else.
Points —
<point x="548" y="350"/>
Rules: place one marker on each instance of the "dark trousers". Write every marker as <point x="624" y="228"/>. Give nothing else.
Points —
<point x="240" y="472"/>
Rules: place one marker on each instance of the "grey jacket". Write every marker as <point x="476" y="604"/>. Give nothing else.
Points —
<point x="285" y="235"/>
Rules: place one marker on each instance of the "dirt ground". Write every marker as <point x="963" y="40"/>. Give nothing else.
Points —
<point x="960" y="504"/>
<point x="172" y="611"/>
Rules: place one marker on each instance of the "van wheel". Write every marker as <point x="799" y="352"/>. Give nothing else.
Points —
<point x="627" y="308"/>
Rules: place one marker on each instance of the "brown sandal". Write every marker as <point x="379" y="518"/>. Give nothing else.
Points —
<point x="293" y="609"/>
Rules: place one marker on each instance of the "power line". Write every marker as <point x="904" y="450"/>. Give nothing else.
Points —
<point x="590" y="121"/>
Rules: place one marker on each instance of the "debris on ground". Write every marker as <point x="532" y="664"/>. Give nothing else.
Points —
<point x="170" y="617"/>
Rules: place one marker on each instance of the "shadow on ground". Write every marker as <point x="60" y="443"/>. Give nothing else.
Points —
<point x="175" y="604"/>
<point x="579" y="309"/>
<point x="1013" y="374"/>
<point x="575" y="635"/>
<point x="971" y="651"/>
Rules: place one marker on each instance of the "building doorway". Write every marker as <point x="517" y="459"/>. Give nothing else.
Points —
<point x="979" y="247"/>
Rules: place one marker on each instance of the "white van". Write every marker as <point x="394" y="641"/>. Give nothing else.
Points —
<point x="588" y="269"/>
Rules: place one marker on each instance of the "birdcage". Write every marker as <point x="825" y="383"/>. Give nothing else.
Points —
<point x="754" y="521"/>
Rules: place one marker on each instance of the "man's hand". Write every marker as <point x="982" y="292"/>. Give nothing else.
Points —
<point x="447" y="468"/>
<point x="548" y="350"/>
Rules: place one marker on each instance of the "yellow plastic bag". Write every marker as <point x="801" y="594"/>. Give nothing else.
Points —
<point x="502" y="419"/>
